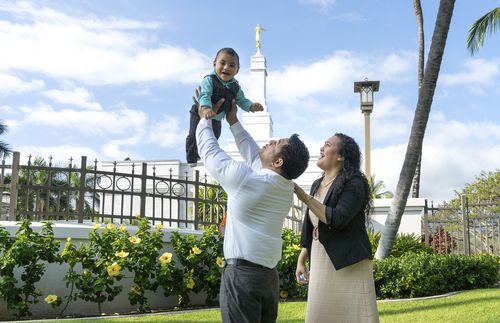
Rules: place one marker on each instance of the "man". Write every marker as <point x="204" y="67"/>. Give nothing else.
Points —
<point x="260" y="194"/>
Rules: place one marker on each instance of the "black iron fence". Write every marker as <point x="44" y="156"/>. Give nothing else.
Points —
<point x="470" y="228"/>
<point x="41" y="190"/>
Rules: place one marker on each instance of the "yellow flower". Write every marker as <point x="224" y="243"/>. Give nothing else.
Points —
<point x="136" y="290"/>
<point x="283" y="294"/>
<point x="123" y="228"/>
<point x="110" y="226"/>
<point x="114" y="269"/>
<point x="190" y="283"/>
<point x="296" y="247"/>
<point x="134" y="240"/>
<point x="160" y="226"/>
<point x="220" y="262"/>
<point x="122" y="254"/>
<point x="68" y="239"/>
<point x="166" y="258"/>
<point x="196" y="250"/>
<point x="50" y="299"/>
<point x="96" y="226"/>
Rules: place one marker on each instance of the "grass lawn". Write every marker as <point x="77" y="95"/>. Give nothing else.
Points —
<point x="482" y="305"/>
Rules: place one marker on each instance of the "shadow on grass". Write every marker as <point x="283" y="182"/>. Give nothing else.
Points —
<point x="425" y="307"/>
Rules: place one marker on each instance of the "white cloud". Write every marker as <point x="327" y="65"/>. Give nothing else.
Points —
<point x="5" y="109"/>
<point x="320" y="3"/>
<point x="13" y="85"/>
<point x="59" y="153"/>
<point x="167" y="132"/>
<point x="121" y="120"/>
<point x="112" y="151"/>
<point x="29" y="11"/>
<point x="335" y="75"/>
<point x="454" y="153"/>
<point x="75" y="96"/>
<point x="390" y="120"/>
<point x="92" y="50"/>
<point x="477" y="74"/>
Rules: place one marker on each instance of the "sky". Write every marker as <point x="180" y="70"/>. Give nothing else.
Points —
<point x="114" y="79"/>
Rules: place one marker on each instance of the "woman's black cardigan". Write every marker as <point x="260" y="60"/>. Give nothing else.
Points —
<point x="344" y="237"/>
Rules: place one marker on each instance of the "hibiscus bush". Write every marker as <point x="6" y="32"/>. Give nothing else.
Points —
<point x="113" y="254"/>
<point x="202" y="262"/>
<point x="28" y="251"/>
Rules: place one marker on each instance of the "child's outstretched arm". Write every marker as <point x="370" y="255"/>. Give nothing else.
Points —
<point x="206" y="112"/>
<point x="256" y="107"/>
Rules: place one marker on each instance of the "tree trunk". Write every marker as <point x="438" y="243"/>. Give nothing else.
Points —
<point x="421" y="52"/>
<point x="419" y="124"/>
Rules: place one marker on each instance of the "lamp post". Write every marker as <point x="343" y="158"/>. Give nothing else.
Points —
<point x="365" y="89"/>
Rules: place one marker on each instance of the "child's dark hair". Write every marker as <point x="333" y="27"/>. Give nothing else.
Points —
<point x="295" y="158"/>
<point x="231" y="52"/>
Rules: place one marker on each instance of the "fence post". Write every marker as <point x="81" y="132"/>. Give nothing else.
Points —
<point x="13" y="186"/>
<point x="81" y="191"/>
<point x="143" y="189"/>
<point x="465" y="221"/>
<point x="196" y="197"/>
<point x="426" y="223"/>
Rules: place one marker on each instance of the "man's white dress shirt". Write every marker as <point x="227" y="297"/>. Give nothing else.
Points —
<point x="258" y="198"/>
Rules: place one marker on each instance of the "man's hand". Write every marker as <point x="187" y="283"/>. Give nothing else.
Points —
<point x="196" y="95"/>
<point x="256" y="107"/>
<point x="231" y="116"/>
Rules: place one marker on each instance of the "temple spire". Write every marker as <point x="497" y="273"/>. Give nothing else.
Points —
<point x="258" y="30"/>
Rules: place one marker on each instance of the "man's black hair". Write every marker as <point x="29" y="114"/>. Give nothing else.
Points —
<point x="295" y="157"/>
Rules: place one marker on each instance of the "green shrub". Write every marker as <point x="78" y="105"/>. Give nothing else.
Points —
<point x="403" y="243"/>
<point x="96" y="267"/>
<point x="374" y="238"/>
<point x="408" y="242"/>
<point x="289" y="288"/>
<point x="29" y="251"/>
<point x="423" y="274"/>
<point x="202" y="263"/>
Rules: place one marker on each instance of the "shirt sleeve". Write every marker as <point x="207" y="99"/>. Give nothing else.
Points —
<point x="242" y="101"/>
<point x="227" y="171"/>
<point x="206" y="89"/>
<point x="247" y="146"/>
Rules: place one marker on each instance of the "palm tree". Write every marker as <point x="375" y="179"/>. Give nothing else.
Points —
<point x="487" y="23"/>
<point x="64" y="199"/>
<point x="376" y="188"/>
<point x="4" y="148"/>
<point x="422" y="111"/>
<point x="421" y="51"/>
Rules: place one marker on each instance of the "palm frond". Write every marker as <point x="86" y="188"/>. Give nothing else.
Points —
<point x="477" y="32"/>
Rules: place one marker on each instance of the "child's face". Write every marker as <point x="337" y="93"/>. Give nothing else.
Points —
<point x="226" y="66"/>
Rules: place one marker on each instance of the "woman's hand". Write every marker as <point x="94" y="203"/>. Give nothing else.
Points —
<point x="301" y="273"/>
<point x="303" y="196"/>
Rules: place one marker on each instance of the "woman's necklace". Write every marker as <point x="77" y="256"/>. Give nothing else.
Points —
<point x="327" y="183"/>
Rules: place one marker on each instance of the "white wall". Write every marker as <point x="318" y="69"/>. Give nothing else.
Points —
<point x="412" y="216"/>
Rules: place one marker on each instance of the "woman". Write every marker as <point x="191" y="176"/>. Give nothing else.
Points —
<point x="335" y="240"/>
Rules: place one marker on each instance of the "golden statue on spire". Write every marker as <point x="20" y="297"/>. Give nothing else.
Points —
<point x="258" y="30"/>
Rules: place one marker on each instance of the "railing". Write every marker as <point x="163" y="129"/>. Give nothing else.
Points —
<point x="44" y="191"/>
<point x="41" y="191"/>
<point x="467" y="229"/>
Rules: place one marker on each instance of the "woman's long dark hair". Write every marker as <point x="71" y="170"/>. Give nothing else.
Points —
<point x="349" y="149"/>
